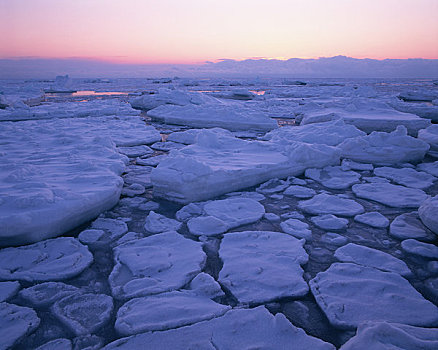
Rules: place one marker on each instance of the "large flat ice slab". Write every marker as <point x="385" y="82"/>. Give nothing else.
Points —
<point x="155" y="264"/>
<point x="51" y="260"/>
<point x="391" y="195"/>
<point x="382" y="148"/>
<point x="54" y="176"/>
<point x="165" y="311"/>
<point x="345" y="291"/>
<point x="220" y="164"/>
<point x="233" y="118"/>
<point x="261" y="266"/>
<point x="385" y="335"/>
<point x="238" y="329"/>
<point x="16" y="322"/>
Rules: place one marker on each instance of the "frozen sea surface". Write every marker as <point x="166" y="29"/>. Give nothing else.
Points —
<point x="184" y="237"/>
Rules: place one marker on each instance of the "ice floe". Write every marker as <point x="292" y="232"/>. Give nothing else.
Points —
<point x="430" y="168"/>
<point x="270" y="268"/>
<point x="324" y="203"/>
<point x="385" y="335"/>
<point x="103" y="232"/>
<point x="156" y="223"/>
<point x="204" y="284"/>
<point x="217" y="165"/>
<point x="382" y="148"/>
<point x="428" y="213"/>
<point x="333" y="177"/>
<point x="237" y="329"/>
<point x="57" y="344"/>
<point x="299" y="191"/>
<point x="373" y="219"/>
<point x="408" y="225"/>
<point x="84" y="313"/>
<point x="407" y="177"/>
<point x="8" y="290"/>
<point x="51" y="260"/>
<point x="296" y="228"/>
<point x="45" y="294"/>
<point x="232" y="118"/>
<point x="366" y="256"/>
<point x="430" y="135"/>
<point x="425" y="250"/>
<point x="330" y="222"/>
<point x="165" y="311"/>
<point x="342" y="291"/>
<point x="16" y="322"/>
<point x="333" y="238"/>
<point x="155" y="264"/>
<point x="55" y="177"/>
<point x="391" y="195"/>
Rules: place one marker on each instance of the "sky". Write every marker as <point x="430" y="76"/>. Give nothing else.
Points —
<point x="195" y="31"/>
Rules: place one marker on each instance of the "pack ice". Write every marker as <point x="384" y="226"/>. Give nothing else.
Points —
<point x="237" y="329"/>
<point x="59" y="173"/>
<point x="218" y="164"/>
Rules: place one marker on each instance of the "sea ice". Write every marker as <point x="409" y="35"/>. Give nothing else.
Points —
<point x="217" y="115"/>
<point x="382" y="148"/>
<point x="296" y="228"/>
<point x="65" y="176"/>
<point x="272" y="186"/>
<point x="333" y="177"/>
<point x="391" y="195"/>
<point x="156" y="223"/>
<point x="135" y="151"/>
<point x="155" y="264"/>
<point x="238" y="329"/>
<point x="165" y="311"/>
<point x="330" y="133"/>
<point x="366" y="256"/>
<point x="342" y="291"/>
<point x="84" y="313"/>
<point x="140" y="175"/>
<point x="261" y="266"/>
<point x="324" y="203"/>
<point x="430" y="168"/>
<point x="8" y="290"/>
<point x="103" y="232"/>
<point x="408" y="225"/>
<point x="414" y="247"/>
<point x="407" y="177"/>
<point x="133" y="190"/>
<point x="385" y="335"/>
<point x="223" y="215"/>
<point x="428" y="213"/>
<point x="430" y="135"/>
<point x="217" y="165"/>
<point x="204" y="284"/>
<point x="333" y="238"/>
<point x="348" y="164"/>
<point x="330" y="222"/>
<point x="299" y="192"/>
<point x="16" y="322"/>
<point x="45" y="294"/>
<point x="50" y="260"/>
<point x="57" y="344"/>
<point x="373" y="219"/>
<point x="189" y="137"/>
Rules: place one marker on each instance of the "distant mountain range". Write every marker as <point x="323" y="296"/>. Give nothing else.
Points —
<point x="325" y="67"/>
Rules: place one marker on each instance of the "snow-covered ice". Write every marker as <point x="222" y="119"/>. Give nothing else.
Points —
<point x="428" y="213"/>
<point x="373" y="219"/>
<point x="217" y="115"/>
<point x="8" y="290"/>
<point x="299" y="191"/>
<point x="430" y="135"/>
<point x="57" y="344"/>
<point x="155" y="264"/>
<point x="271" y="268"/>
<point x="333" y="177"/>
<point x="382" y="148"/>
<point x="408" y="225"/>
<point x="330" y="222"/>
<point x="166" y="311"/>
<point x="51" y="260"/>
<point x="385" y="335"/>
<point x="217" y="165"/>
<point x="406" y="176"/>
<point x="205" y="285"/>
<point x="366" y="256"/>
<point x="324" y="203"/>
<point x="296" y="228"/>
<point x="237" y="329"/>
<point x="84" y="313"/>
<point x="45" y="294"/>
<point x="16" y="322"/>
<point x="425" y="250"/>
<point x="342" y="291"/>
<point x="391" y="195"/>
<point x="156" y="223"/>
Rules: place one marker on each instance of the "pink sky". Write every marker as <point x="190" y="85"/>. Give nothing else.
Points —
<point x="193" y="31"/>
